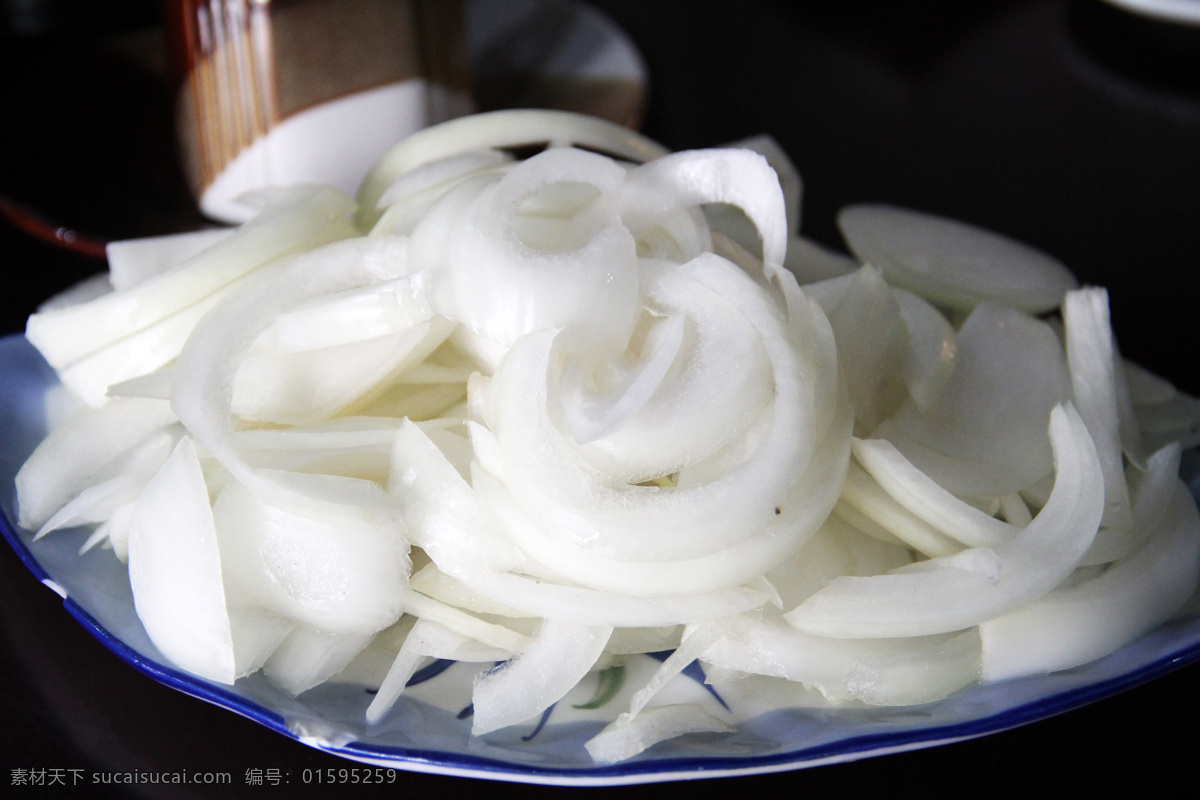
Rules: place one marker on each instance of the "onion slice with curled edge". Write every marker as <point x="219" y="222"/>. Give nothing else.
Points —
<point x="1080" y="623"/>
<point x="500" y="130"/>
<point x="1091" y="355"/>
<point x="202" y="390"/>
<point x="413" y="193"/>
<point x="944" y="596"/>
<point x="501" y="285"/>
<point x="608" y="534"/>
<point x="740" y="178"/>
<point x="921" y="495"/>
<point x="298" y="220"/>
<point x="669" y="415"/>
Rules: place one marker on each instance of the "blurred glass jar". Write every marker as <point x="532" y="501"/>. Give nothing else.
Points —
<point x="280" y="92"/>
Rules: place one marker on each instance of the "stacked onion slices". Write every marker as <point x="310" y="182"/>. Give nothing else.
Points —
<point x="555" y="410"/>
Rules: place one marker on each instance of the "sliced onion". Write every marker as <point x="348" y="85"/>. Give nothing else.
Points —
<point x="625" y="738"/>
<point x="932" y="347"/>
<point x="951" y="262"/>
<point x="587" y="391"/>
<point x="986" y="433"/>
<point x="1092" y="358"/>
<point x="202" y="393"/>
<point x="588" y="523"/>
<point x="501" y="285"/>
<point x="339" y="574"/>
<point x="871" y="345"/>
<point x="1075" y="625"/>
<point x="921" y="495"/>
<point x="306" y="657"/>
<point x="864" y="500"/>
<point x="499" y="130"/>
<point x="175" y="570"/>
<point x="944" y="597"/>
<point x="84" y="450"/>
<point x="878" y="671"/>
<point x="303" y="218"/>
<point x="739" y="178"/>
<point x="561" y="654"/>
<point x="132" y="261"/>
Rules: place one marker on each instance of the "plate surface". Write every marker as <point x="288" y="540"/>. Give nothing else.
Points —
<point x="782" y="728"/>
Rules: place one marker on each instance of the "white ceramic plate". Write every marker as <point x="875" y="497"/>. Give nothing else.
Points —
<point x="1182" y="12"/>
<point x="429" y="730"/>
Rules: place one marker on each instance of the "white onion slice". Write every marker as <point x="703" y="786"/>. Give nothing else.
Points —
<point x="601" y="520"/>
<point x="985" y="435"/>
<point x="921" y="495"/>
<point x="932" y="346"/>
<point x="790" y="181"/>
<point x="443" y="514"/>
<point x="864" y="500"/>
<point x="202" y="392"/>
<point x="878" y="671"/>
<point x="464" y="624"/>
<point x="695" y="641"/>
<point x="344" y="573"/>
<point x="561" y="654"/>
<point x="499" y="130"/>
<point x="305" y="217"/>
<point x="591" y="415"/>
<point x="1092" y="358"/>
<point x="625" y="738"/>
<point x="403" y="668"/>
<point x="951" y="262"/>
<point x="98" y="501"/>
<point x="501" y="285"/>
<point x="740" y="178"/>
<point x="945" y="597"/>
<point x="838" y="548"/>
<point x="871" y="345"/>
<point x="1073" y="626"/>
<point x="306" y="657"/>
<point x="84" y="449"/>
<point x="303" y="387"/>
<point x="354" y="315"/>
<point x="132" y="261"/>
<point x="413" y="193"/>
<point x="148" y="350"/>
<point x="669" y="415"/>
<point x="175" y="570"/>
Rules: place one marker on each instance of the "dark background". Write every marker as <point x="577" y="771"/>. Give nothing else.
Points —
<point x="1069" y="125"/>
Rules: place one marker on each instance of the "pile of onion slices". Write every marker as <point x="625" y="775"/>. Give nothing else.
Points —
<point x="554" y="411"/>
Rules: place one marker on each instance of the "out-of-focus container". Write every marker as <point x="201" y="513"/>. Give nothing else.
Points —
<point x="280" y="92"/>
<point x="1182" y="12"/>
